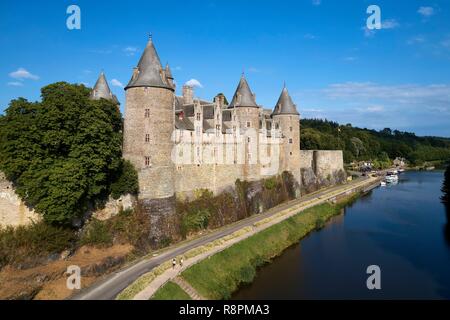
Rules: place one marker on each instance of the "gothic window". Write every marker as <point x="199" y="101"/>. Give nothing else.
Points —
<point x="147" y="113"/>
<point x="147" y="161"/>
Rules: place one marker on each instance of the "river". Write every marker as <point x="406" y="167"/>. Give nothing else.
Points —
<point x="401" y="228"/>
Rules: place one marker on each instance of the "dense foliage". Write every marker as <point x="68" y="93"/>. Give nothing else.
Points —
<point x="62" y="153"/>
<point x="366" y="144"/>
<point x="446" y="186"/>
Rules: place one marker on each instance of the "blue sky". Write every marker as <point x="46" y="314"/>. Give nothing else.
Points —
<point x="334" y="68"/>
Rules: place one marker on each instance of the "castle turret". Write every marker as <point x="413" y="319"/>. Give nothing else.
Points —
<point x="148" y="126"/>
<point x="101" y="90"/>
<point x="247" y="112"/>
<point x="287" y="119"/>
<point x="169" y="77"/>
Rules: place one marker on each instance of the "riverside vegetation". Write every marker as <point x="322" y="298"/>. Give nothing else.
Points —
<point x="221" y="274"/>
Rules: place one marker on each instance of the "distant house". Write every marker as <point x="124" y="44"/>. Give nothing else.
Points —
<point x="399" y="162"/>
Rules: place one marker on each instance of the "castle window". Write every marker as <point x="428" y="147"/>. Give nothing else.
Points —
<point x="290" y="140"/>
<point x="147" y="113"/>
<point x="248" y="139"/>
<point x="290" y="128"/>
<point x="248" y="124"/>
<point x="147" y="137"/>
<point x="147" y="161"/>
<point x="198" y="116"/>
<point x="277" y="126"/>
<point x="290" y="153"/>
<point x="217" y="130"/>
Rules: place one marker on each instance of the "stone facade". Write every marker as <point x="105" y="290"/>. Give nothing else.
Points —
<point x="13" y="211"/>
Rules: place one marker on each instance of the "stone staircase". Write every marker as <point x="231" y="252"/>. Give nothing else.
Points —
<point x="187" y="288"/>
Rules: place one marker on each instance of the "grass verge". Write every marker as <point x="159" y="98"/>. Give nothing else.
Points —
<point x="220" y="275"/>
<point x="170" y="291"/>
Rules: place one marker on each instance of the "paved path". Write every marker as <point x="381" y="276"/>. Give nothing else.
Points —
<point x="113" y="284"/>
<point x="188" y="288"/>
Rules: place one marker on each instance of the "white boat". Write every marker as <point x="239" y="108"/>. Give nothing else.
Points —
<point x="383" y="183"/>
<point x="392" y="178"/>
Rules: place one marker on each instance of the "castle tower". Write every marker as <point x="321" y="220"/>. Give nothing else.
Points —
<point x="148" y="126"/>
<point x="101" y="90"/>
<point x="247" y="112"/>
<point x="169" y="77"/>
<point x="287" y="118"/>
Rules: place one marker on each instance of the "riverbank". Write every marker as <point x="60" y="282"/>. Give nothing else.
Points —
<point x="222" y="274"/>
<point x="298" y="220"/>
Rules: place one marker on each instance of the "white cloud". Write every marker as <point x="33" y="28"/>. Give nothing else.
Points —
<point x="22" y="74"/>
<point x="350" y="59"/>
<point x="371" y="109"/>
<point x="177" y="68"/>
<point x="426" y="97"/>
<point x="416" y="39"/>
<point x="194" y="83"/>
<point x="385" y="24"/>
<point x="316" y="2"/>
<point x="426" y="11"/>
<point x="389" y="24"/>
<point x="116" y="83"/>
<point x="130" y="51"/>
<point x="253" y="70"/>
<point x="309" y="36"/>
<point x="15" y="84"/>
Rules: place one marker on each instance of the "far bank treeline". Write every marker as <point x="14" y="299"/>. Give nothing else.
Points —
<point x="365" y="144"/>
<point x="64" y="154"/>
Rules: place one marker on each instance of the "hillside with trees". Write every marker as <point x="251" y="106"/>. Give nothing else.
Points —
<point x="366" y="144"/>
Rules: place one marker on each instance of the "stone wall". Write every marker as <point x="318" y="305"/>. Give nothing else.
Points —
<point x="13" y="212"/>
<point x="321" y="168"/>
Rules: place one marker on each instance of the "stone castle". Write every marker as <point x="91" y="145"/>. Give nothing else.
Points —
<point x="180" y="144"/>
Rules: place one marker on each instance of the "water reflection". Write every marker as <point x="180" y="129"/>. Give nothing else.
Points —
<point x="397" y="227"/>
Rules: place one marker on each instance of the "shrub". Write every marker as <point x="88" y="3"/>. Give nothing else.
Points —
<point x="126" y="181"/>
<point x="27" y="244"/>
<point x="96" y="233"/>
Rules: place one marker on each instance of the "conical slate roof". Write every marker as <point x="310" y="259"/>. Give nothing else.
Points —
<point x="285" y="105"/>
<point x="149" y="70"/>
<point x="243" y="97"/>
<point x="168" y="72"/>
<point x="102" y="90"/>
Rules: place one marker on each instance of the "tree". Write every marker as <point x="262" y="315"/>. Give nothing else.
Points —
<point x="446" y="186"/>
<point x="62" y="153"/>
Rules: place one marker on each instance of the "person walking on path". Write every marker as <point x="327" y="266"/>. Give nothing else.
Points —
<point x="181" y="262"/>
<point x="174" y="263"/>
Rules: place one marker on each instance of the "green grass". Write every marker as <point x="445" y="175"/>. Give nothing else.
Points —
<point x="170" y="291"/>
<point x="222" y="274"/>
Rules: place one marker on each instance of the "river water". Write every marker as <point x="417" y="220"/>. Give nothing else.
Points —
<point x="401" y="228"/>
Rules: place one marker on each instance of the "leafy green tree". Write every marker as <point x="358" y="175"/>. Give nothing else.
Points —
<point x="126" y="182"/>
<point x="62" y="153"/>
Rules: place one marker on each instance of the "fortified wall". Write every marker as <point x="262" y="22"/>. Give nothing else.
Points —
<point x="13" y="212"/>
<point x="321" y="168"/>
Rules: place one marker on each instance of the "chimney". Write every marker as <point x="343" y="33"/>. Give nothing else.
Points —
<point x="188" y="94"/>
